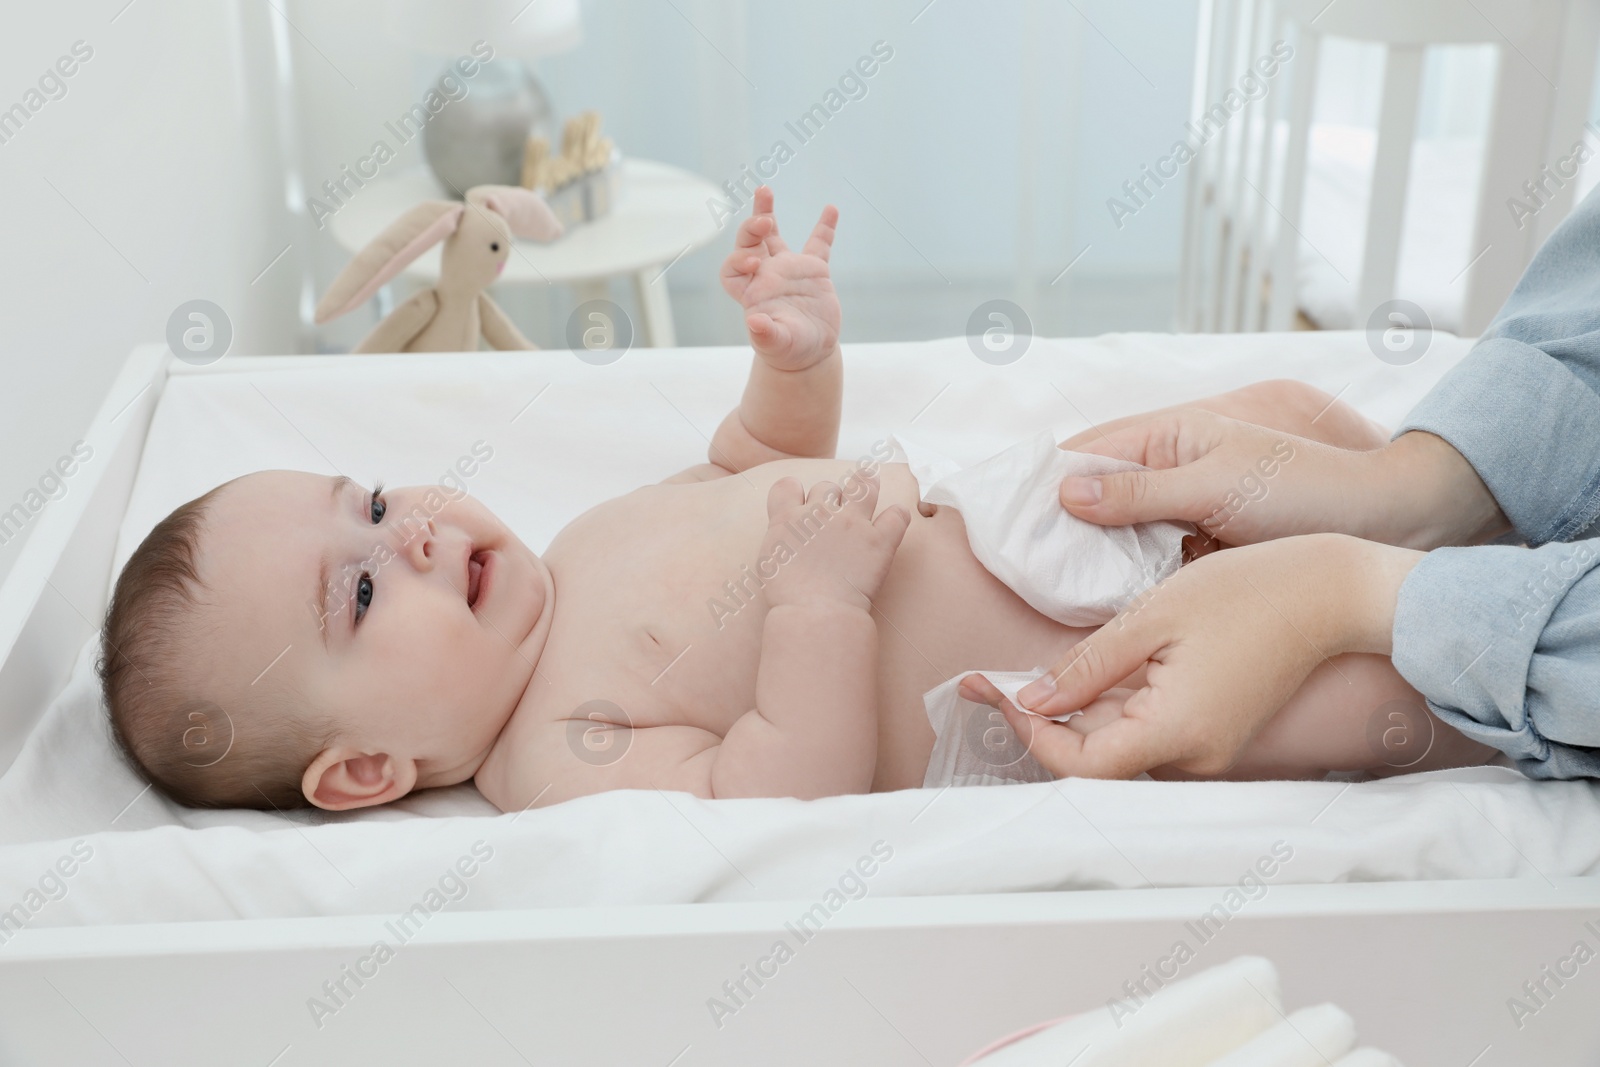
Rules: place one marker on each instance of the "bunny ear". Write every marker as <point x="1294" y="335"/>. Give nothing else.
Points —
<point x="523" y="209"/>
<point x="387" y="254"/>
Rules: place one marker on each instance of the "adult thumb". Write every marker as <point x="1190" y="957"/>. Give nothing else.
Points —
<point x="1137" y="496"/>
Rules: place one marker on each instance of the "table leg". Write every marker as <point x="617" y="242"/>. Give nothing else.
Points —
<point x="592" y="289"/>
<point x="650" y="288"/>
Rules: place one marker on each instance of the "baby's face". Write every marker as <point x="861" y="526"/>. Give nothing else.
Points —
<point x="413" y="620"/>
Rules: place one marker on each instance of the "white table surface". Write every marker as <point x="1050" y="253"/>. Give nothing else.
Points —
<point x="660" y="213"/>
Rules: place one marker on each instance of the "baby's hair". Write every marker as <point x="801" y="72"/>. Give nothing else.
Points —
<point x="190" y="749"/>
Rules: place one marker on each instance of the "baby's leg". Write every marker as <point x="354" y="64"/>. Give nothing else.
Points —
<point x="1355" y="713"/>
<point x="1301" y="409"/>
<point x="1282" y="404"/>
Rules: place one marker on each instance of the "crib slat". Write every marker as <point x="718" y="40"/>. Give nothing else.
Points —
<point x="1194" y="180"/>
<point x="1212" y="158"/>
<point x="1261" y="218"/>
<point x="1240" y="199"/>
<point x="1236" y="144"/>
<point x="1580" y="41"/>
<point x="1285" y="285"/>
<point x="1515" y="150"/>
<point x="1391" y="171"/>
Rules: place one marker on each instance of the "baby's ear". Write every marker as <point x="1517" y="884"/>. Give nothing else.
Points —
<point x="341" y="779"/>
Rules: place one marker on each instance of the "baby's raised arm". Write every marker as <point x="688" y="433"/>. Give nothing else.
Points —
<point x="791" y="402"/>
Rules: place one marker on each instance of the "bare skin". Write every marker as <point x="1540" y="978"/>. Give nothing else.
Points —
<point x="624" y="657"/>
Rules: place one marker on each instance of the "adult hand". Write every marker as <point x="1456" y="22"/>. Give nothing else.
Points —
<point x="1242" y="484"/>
<point x="1226" y="640"/>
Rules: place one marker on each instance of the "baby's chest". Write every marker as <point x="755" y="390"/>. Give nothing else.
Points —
<point x="654" y="616"/>
<point x="661" y="595"/>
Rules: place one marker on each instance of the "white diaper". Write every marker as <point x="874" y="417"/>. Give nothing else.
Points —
<point x="1073" y="571"/>
<point x="973" y="743"/>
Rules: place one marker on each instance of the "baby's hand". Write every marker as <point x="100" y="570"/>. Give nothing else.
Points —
<point x="826" y="545"/>
<point x="790" y="307"/>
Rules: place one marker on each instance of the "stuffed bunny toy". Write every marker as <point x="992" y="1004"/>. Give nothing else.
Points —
<point x="452" y="315"/>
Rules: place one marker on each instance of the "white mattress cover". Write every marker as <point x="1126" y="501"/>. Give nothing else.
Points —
<point x="600" y="431"/>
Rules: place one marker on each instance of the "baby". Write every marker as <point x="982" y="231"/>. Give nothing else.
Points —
<point x="452" y="652"/>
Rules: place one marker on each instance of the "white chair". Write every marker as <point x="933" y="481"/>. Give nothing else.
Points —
<point x="1246" y="187"/>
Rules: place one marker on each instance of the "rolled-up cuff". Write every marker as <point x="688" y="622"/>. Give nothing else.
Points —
<point x="1514" y="412"/>
<point x="1470" y="635"/>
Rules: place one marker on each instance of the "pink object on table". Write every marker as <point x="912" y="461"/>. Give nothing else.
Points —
<point x="996" y="1046"/>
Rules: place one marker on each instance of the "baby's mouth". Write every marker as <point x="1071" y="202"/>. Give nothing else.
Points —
<point x="474" y="578"/>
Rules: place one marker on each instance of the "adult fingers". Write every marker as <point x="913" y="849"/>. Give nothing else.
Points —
<point x="1169" y="441"/>
<point x="1169" y="437"/>
<point x="979" y="690"/>
<point x="1130" y="439"/>
<point x="1093" y="665"/>
<point x="1124" y="748"/>
<point x="1143" y="496"/>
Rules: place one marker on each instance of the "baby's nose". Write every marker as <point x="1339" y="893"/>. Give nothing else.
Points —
<point x="420" y="545"/>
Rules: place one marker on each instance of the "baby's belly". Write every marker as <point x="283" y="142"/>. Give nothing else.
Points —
<point x="940" y="613"/>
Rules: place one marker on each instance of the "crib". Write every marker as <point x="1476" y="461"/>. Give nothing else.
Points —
<point x="640" y="928"/>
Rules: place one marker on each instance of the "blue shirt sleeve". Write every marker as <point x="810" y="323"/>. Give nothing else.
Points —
<point x="1503" y="641"/>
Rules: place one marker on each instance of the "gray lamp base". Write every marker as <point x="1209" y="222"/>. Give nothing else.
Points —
<point x="479" y="138"/>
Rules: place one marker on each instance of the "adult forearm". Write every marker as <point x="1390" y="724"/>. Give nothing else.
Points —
<point x="1421" y="493"/>
<point x="1355" y="591"/>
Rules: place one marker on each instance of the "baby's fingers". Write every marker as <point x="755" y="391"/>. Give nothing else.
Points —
<point x="761" y="208"/>
<point x="753" y="233"/>
<point x="893" y="522"/>
<point x="766" y="330"/>
<point x="820" y="243"/>
<point x="864" y="498"/>
<point x="785" y="493"/>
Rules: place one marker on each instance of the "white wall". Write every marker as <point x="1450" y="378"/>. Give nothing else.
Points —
<point x="148" y="184"/>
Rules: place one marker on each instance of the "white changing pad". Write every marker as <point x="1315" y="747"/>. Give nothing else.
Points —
<point x="596" y="432"/>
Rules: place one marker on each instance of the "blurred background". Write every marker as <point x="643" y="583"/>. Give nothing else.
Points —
<point x="985" y="158"/>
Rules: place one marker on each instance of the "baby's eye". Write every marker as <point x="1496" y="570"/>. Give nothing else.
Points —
<point x="364" y="591"/>
<point x="495" y="247"/>
<point x="378" y="507"/>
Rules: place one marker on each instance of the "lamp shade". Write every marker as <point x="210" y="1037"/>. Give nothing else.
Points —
<point x="515" y="29"/>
